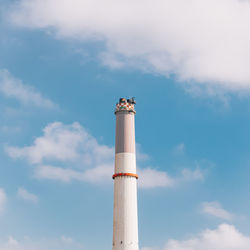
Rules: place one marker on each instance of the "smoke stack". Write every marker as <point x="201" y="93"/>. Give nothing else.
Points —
<point x="125" y="224"/>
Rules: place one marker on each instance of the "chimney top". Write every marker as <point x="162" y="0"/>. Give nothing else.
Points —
<point x="126" y="105"/>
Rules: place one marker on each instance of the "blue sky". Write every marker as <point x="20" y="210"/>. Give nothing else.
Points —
<point x="63" y="67"/>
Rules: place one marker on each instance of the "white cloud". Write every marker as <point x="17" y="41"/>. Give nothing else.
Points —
<point x="58" y="173"/>
<point x="64" y="143"/>
<point x="62" y="243"/>
<point x="68" y="144"/>
<point x="215" y="209"/>
<point x="151" y="178"/>
<point x="15" y="88"/>
<point x="26" y="195"/>
<point x="225" y="237"/>
<point x="3" y="199"/>
<point x="201" y="40"/>
<point x="82" y="158"/>
<point x="100" y="174"/>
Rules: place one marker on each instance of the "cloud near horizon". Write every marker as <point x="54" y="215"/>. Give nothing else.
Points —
<point x="225" y="237"/>
<point x="203" y="41"/>
<point x="72" y="145"/>
<point x="63" y="243"/>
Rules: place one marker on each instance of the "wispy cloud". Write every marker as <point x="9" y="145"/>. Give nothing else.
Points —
<point x="179" y="149"/>
<point x="97" y="175"/>
<point x="140" y="155"/>
<point x="142" y="35"/>
<point x="215" y="209"/>
<point x="58" y="173"/>
<point x="12" y="87"/>
<point x="26" y="195"/>
<point x="192" y="175"/>
<point x="152" y="178"/>
<point x="61" y="146"/>
<point x="3" y="199"/>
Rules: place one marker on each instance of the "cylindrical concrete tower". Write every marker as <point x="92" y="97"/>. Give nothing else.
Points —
<point x="125" y="225"/>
